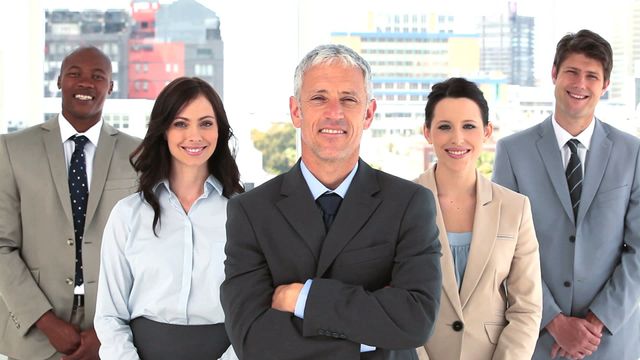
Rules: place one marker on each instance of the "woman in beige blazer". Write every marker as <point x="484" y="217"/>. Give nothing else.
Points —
<point x="491" y="302"/>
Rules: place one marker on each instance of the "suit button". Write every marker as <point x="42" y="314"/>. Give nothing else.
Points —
<point x="457" y="325"/>
<point x="70" y="242"/>
<point x="572" y="239"/>
<point x="567" y="284"/>
<point x="69" y="281"/>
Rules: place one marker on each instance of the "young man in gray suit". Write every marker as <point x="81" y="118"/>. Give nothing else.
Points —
<point x="583" y="179"/>
<point x="333" y="259"/>
<point x="59" y="181"/>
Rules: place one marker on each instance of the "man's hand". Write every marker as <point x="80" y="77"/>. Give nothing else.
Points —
<point x="285" y="297"/>
<point x="575" y="337"/>
<point x="63" y="336"/>
<point x="89" y="345"/>
<point x="593" y="319"/>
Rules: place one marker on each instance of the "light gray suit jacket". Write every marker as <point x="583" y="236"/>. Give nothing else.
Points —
<point x="37" y="250"/>
<point x="596" y="264"/>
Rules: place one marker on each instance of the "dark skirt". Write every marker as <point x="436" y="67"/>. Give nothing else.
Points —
<point x="160" y="341"/>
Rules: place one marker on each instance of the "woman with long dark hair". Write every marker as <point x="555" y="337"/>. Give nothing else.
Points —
<point x="163" y="247"/>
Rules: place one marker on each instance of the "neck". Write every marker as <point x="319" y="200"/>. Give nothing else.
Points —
<point x="574" y="126"/>
<point x="81" y="125"/>
<point x="455" y="183"/>
<point x="187" y="184"/>
<point x="330" y="174"/>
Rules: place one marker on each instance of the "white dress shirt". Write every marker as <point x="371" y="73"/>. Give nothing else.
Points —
<point x="173" y="278"/>
<point x="562" y="136"/>
<point x="93" y="134"/>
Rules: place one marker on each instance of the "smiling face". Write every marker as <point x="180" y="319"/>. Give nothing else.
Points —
<point x="85" y="82"/>
<point x="192" y="136"/>
<point x="579" y="84"/>
<point x="332" y="112"/>
<point x="457" y="134"/>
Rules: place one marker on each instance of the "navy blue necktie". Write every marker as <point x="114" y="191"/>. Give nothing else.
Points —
<point x="329" y="203"/>
<point x="574" y="176"/>
<point x="79" y="191"/>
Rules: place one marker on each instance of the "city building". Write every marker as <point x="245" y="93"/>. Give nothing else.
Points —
<point x="507" y="47"/>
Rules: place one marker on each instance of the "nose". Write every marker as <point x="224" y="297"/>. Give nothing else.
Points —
<point x="457" y="137"/>
<point x="85" y="81"/>
<point x="334" y="110"/>
<point x="193" y="134"/>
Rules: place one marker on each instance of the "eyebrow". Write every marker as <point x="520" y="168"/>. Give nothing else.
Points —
<point x="202" y="118"/>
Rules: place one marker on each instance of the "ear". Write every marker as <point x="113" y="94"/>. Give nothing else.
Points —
<point x="295" y="111"/>
<point x="110" y="87"/>
<point x="371" y="111"/>
<point x="427" y="133"/>
<point x="554" y="74"/>
<point x="605" y="87"/>
<point x="488" y="130"/>
<point x="58" y="82"/>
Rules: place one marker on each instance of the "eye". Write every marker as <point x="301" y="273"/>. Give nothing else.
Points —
<point x="317" y="98"/>
<point x="349" y="100"/>
<point x="593" y="77"/>
<point x="207" y="123"/>
<point x="73" y="74"/>
<point x="444" y="127"/>
<point x="98" y="77"/>
<point x="469" y="126"/>
<point x="179" y="124"/>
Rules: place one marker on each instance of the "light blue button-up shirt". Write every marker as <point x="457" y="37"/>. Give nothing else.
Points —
<point x="172" y="278"/>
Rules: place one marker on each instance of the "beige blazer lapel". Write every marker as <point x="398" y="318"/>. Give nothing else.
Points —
<point x="485" y="229"/>
<point x="55" y="154"/>
<point x="101" y="163"/>
<point x="449" y="282"/>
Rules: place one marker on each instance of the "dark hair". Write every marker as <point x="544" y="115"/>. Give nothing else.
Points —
<point x="589" y="44"/>
<point x="152" y="159"/>
<point x="455" y="88"/>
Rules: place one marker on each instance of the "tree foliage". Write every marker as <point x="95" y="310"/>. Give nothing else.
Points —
<point x="278" y="147"/>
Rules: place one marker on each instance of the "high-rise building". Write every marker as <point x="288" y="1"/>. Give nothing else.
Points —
<point x="506" y="47"/>
<point x="66" y="30"/>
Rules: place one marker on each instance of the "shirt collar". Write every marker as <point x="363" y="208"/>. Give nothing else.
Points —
<point x="562" y="135"/>
<point x="210" y="184"/>
<point x="67" y="130"/>
<point x="317" y="188"/>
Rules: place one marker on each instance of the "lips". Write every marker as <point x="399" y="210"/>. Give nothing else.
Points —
<point x="457" y="153"/>
<point x="83" y="97"/>
<point x="577" y="96"/>
<point x="332" y="131"/>
<point x="194" y="150"/>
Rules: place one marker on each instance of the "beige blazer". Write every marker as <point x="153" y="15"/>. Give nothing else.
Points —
<point x="37" y="250"/>
<point x="496" y="314"/>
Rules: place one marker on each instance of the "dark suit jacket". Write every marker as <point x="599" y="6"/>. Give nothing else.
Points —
<point x="37" y="250"/>
<point x="376" y="274"/>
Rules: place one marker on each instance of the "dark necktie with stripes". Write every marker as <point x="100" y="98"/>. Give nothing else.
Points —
<point x="79" y="191"/>
<point x="329" y="203"/>
<point x="574" y="176"/>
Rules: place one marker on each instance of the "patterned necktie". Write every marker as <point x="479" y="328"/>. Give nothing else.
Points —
<point x="329" y="203"/>
<point x="574" y="176"/>
<point x="79" y="191"/>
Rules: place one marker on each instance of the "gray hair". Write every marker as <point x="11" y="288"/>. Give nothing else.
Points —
<point x="329" y="54"/>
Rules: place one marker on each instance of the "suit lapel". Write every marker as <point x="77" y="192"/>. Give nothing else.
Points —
<point x="355" y="210"/>
<point x="485" y="229"/>
<point x="301" y="211"/>
<point x="595" y="164"/>
<point x="449" y="282"/>
<point x="552" y="160"/>
<point x="101" y="163"/>
<point x="57" y="166"/>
